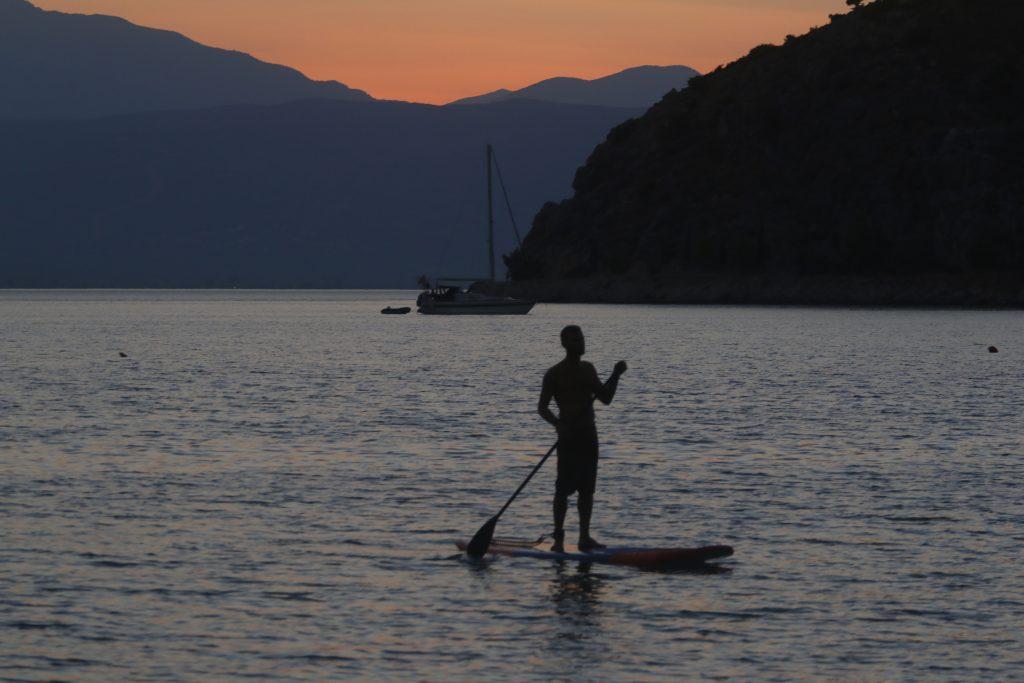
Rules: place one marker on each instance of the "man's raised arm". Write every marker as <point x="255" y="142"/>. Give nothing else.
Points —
<point x="606" y="392"/>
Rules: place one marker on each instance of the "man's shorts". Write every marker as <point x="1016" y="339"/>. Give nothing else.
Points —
<point x="577" y="463"/>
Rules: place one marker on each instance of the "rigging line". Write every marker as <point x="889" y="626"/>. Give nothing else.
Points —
<point x="508" y="203"/>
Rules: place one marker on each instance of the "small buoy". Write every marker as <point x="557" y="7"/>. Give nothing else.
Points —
<point x="993" y="349"/>
<point x="122" y="354"/>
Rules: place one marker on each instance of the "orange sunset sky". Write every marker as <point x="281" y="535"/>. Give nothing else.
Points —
<point x="440" y="50"/>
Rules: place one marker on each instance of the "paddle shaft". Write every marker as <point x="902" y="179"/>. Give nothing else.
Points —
<point x="526" y="481"/>
<point x="481" y="541"/>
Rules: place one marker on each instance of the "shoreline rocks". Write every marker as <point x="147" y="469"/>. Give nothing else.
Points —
<point x="995" y="291"/>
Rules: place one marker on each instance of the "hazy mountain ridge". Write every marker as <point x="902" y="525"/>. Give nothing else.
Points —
<point x="57" y="65"/>
<point x="874" y="160"/>
<point x="306" y="194"/>
<point x="640" y="86"/>
<point x="328" y="189"/>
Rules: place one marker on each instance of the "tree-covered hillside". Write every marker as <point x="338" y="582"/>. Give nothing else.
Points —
<point x="885" y="146"/>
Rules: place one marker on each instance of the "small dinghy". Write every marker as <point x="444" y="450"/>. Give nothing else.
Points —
<point x="396" y="311"/>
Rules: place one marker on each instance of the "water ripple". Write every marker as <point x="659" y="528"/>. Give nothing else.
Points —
<point x="270" y="485"/>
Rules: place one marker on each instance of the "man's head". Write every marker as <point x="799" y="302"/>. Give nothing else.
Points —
<point x="572" y="340"/>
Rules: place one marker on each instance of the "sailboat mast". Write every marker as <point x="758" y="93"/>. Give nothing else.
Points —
<point x="490" y="214"/>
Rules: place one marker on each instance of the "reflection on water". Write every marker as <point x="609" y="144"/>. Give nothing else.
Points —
<point x="576" y="596"/>
<point x="580" y="587"/>
<point x="270" y="484"/>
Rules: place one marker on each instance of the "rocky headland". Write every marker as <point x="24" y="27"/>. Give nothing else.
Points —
<point x="875" y="160"/>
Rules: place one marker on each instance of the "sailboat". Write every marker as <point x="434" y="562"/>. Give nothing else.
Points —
<point x="449" y="296"/>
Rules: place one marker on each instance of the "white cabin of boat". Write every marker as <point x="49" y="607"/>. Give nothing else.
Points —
<point x="449" y="297"/>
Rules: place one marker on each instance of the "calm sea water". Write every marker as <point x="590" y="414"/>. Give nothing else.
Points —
<point x="268" y="486"/>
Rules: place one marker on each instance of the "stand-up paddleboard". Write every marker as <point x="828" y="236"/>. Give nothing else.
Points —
<point x="625" y="555"/>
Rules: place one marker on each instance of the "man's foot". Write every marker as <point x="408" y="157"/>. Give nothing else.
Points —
<point x="588" y="545"/>
<point x="558" y="546"/>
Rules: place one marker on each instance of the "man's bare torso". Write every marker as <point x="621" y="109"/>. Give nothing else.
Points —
<point x="573" y="385"/>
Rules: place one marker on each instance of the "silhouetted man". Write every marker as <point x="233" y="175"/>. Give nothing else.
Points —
<point x="574" y="385"/>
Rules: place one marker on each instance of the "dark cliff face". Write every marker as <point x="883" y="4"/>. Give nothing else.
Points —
<point x="889" y="143"/>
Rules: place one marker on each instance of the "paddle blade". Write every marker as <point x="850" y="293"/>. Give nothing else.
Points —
<point x="481" y="541"/>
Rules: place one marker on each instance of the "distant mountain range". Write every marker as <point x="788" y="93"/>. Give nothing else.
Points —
<point x="641" y="86"/>
<point x="56" y="65"/>
<point x="308" y="194"/>
<point x="138" y="158"/>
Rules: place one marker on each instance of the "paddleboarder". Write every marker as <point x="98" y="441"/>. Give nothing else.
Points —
<point x="574" y="385"/>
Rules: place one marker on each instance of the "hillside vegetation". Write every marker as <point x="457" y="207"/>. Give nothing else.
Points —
<point x="875" y="160"/>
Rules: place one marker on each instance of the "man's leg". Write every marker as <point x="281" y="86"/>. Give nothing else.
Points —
<point x="563" y="488"/>
<point x="585" y="503"/>
<point x="561" y="505"/>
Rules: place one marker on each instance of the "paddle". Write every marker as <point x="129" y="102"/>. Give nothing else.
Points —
<point x="482" y="539"/>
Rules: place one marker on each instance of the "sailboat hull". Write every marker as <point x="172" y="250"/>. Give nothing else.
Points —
<point x="477" y="308"/>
